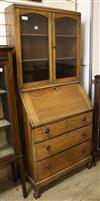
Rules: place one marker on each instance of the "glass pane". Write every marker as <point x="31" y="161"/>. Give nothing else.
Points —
<point x="34" y="42"/>
<point x="6" y="143"/>
<point x="66" y="41"/>
<point x="37" y="70"/>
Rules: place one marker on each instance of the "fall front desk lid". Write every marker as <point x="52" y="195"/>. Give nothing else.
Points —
<point x="50" y="104"/>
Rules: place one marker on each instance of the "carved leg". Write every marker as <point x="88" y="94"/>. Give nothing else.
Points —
<point x="93" y="164"/>
<point x="14" y="172"/>
<point x="22" y="175"/>
<point x="93" y="161"/>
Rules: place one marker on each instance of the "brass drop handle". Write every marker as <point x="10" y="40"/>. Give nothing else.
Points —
<point x="84" y="118"/>
<point x="47" y="130"/>
<point x="49" y="166"/>
<point x="48" y="147"/>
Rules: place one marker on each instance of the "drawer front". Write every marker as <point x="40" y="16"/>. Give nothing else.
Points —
<point x="63" y="142"/>
<point x="80" y="121"/>
<point x="55" y="129"/>
<point x="49" y="131"/>
<point x="63" y="160"/>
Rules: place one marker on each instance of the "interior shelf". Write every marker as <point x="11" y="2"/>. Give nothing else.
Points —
<point x="29" y="60"/>
<point x="65" y="58"/>
<point x="46" y="35"/>
<point x="66" y="36"/>
<point x="45" y="59"/>
<point x="4" y="123"/>
<point x="43" y="35"/>
<point x="2" y="91"/>
<point x="6" y="151"/>
<point x="25" y="34"/>
<point x="3" y="59"/>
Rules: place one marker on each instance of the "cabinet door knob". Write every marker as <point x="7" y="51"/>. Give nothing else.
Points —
<point x="47" y="130"/>
<point x="84" y="118"/>
<point x="48" y="147"/>
<point x="49" y="166"/>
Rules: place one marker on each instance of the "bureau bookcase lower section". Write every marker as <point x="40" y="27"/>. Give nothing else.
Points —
<point x="57" y="148"/>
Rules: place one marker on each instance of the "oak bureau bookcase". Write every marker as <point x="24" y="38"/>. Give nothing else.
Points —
<point x="57" y="113"/>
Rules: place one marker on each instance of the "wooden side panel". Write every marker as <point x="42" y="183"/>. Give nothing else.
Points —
<point x="13" y="104"/>
<point x="28" y="154"/>
<point x="11" y="28"/>
<point x="97" y="114"/>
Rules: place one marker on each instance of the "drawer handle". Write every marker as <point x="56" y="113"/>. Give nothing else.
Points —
<point x="84" y="119"/>
<point x="49" y="166"/>
<point x="83" y="151"/>
<point x="47" y="130"/>
<point x="84" y="134"/>
<point x="48" y="148"/>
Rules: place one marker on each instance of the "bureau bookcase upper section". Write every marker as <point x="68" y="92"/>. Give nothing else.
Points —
<point x="47" y="45"/>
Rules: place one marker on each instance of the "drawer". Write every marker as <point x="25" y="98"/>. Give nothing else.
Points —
<point x="60" y="127"/>
<point x="63" y="160"/>
<point x="63" y="142"/>
<point x="80" y="121"/>
<point x="49" y="131"/>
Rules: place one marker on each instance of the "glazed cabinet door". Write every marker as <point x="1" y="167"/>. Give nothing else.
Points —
<point x="6" y="134"/>
<point x="66" y="47"/>
<point x="35" y="45"/>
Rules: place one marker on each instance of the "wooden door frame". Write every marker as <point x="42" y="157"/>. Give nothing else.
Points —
<point x="73" y="78"/>
<point x="29" y="85"/>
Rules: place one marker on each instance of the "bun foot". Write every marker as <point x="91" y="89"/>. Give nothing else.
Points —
<point x="93" y="163"/>
<point x="37" y="195"/>
<point x="89" y="165"/>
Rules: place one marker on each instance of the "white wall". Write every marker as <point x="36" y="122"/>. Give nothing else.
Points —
<point x="85" y="8"/>
<point x="96" y="39"/>
<point x="96" y="42"/>
<point x="90" y="56"/>
<point x="63" y="4"/>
